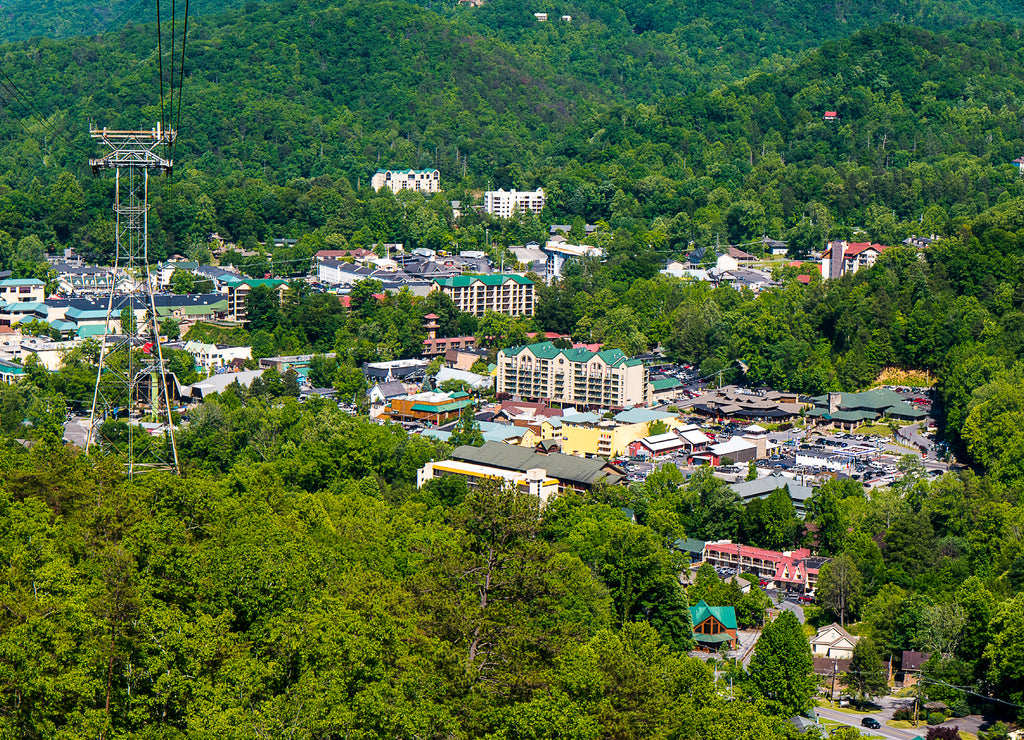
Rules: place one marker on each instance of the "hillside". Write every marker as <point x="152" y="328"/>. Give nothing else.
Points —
<point x="719" y="40"/>
<point x="281" y="100"/>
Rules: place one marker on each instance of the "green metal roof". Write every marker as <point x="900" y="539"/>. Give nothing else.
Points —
<point x="464" y="281"/>
<point x="12" y="282"/>
<point x="91" y="330"/>
<point x="548" y="351"/>
<point x="442" y="408"/>
<point x="726" y="615"/>
<point x="717" y="639"/>
<point x="852" y="416"/>
<point x="688" y="544"/>
<point x="665" y="383"/>
<point x="270" y="282"/>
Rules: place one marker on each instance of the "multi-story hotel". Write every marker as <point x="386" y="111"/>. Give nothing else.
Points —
<point x="477" y="294"/>
<point x="425" y="181"/>
<point x="606" y="379"/>
<point x="503" y="203"/>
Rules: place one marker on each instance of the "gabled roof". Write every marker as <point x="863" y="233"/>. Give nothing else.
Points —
<point x="464" y="281"/>
<point x="725" y="615"/>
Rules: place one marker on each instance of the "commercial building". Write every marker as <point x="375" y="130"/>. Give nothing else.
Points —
<point x="430" y="407"/>
<point x="212" y="357"/>
<point x="572" y="473"/>
<point x="577" y="377"/>
<point x="848" y="410"/>
<point x="512" y="295"/>
<point x="504" y="203"/>
<point x="424" y="181"/>
<point x="593" y="436"/>
<point x="794" y="570"/>
<point x="29" y="290"/>
<point x="535" y="481"/>
<point x="799" y="493"/>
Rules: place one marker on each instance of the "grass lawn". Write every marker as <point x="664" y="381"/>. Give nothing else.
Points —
<point x="875" y="430"/>
<point x="899" y="724"/>
<point x="848" y="710"/>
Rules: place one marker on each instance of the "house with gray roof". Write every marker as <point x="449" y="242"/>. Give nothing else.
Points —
<point x="763" y="487"/>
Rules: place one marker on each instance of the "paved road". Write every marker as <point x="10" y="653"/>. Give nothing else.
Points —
<point x="794" y="607"/>
<point x="853" y="720"/>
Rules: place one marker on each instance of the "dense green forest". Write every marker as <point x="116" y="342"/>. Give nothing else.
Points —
<point x="294" y="581"/>
<point x="929" y="125"/>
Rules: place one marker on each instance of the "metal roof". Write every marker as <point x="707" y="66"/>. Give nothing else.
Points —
<point x="585" y="471"/>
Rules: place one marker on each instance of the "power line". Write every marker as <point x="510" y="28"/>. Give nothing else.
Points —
<point x="160" y="63"/>
<point x="9" y="86"/>
<point x="181" y="70"/>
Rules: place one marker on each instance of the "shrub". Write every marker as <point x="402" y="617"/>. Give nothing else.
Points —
<point x="903" y="714"/>
<point x="959" y="708"/>
<point x="942" y="733"/>
<point x="936" y="718"/>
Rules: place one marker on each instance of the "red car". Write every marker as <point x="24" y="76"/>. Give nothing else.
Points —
<point x="805" y="599"/>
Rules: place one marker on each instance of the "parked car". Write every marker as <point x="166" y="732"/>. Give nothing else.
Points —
<point x="870" y="722"/>
<point x="805" y="599"/>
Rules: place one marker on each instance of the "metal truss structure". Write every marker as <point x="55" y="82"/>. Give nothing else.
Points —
<point x="131" y="406"/>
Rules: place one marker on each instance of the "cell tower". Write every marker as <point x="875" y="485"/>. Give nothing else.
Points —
<point x="131" y="385"/>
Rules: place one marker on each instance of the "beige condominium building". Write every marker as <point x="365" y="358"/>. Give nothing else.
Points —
<point x="606" y="379"/>
<point x="425" y="181"/>
<point x="477" y="294"/>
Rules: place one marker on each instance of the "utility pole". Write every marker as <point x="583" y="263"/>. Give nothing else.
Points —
<point x="132" y="377"/>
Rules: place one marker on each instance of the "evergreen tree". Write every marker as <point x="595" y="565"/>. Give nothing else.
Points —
<point x="467" y="430"/>
<point x="781" y="668"/>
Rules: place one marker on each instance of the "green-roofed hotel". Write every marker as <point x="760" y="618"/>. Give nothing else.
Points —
<point x="476" y="294"/>
<point x="577" y="377"/>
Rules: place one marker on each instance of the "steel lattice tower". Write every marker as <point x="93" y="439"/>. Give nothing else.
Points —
<point x="132" y="375"/>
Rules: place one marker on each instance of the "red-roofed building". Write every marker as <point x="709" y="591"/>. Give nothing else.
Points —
<point x="805" y="279"/>
<point x="840" y="257"/>
<point x="831" y="115"/>
<point x="794" y="570"/>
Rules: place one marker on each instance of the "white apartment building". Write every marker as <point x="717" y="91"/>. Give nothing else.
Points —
<point x="476" y="294"/>
<point x="503" y="203"/>
<point x="607" y="379"/>
<point x="211" y="357"/>
<point x="424" y="181"/>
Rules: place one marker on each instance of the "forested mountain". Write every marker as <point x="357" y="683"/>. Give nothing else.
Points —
<point x="288" y="103"/>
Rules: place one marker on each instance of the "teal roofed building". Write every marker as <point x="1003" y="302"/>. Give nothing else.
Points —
<point x="573" y="377"/>
<point x="512" y="295"/>
<point x="852" y="409"/>
<point x="713" y="627"/>
<point x="28" y="290"/>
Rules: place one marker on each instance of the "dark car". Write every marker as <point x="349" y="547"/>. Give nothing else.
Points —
<point x="870" y="722"/>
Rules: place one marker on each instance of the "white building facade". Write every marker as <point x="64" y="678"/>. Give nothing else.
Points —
<point x="503" y="203"/>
